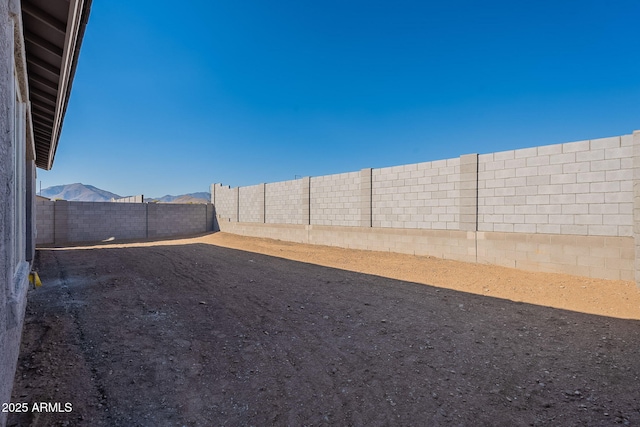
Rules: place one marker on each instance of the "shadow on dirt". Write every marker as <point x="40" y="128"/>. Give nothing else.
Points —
<point x="203" y="335"/>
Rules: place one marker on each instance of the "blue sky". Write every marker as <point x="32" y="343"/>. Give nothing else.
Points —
<point x="170" y="97"/>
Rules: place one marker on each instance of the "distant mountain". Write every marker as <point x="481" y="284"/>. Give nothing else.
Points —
<point x="201" y="197"/>
<point x="78" y="192"/>
<point x="88" y="193"/>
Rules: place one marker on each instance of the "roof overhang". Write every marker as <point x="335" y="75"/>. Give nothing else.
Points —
<point x="53" y="32"/>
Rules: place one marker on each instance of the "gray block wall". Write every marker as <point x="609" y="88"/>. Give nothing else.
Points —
<point x="63" y="222"/>
<point x="94" y="221"/>
<point x="225" y="200"/>
<point x="571" y="208"/>
<point x="45" y="221"/>
<point x="422" y="195"/>
<point x="335" y="199"/>
<point x="365" y="197"/>
<point x="166" y="220"/>
<point x="287" y="202"/>
<point x="636" y="203"/>
<point x="251" y="203"/>
<point x="581" y="188"/>
<point x="468" y="193"/>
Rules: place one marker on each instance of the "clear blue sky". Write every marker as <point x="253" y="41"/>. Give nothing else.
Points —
<point x="170" y="97"/>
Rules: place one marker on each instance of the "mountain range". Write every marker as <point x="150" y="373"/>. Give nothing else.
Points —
<point x="88" y="193"/>
<point x="201" y="197"/>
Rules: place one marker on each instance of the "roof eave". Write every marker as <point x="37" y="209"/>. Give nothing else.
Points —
<point x="49" y="92"/>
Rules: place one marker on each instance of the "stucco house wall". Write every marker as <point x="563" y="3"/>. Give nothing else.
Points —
<point x="24" y="142"/>
<point x="14" y="163"/>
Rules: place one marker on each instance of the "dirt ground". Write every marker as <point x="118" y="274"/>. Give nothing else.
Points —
<point x="222" y="330"/>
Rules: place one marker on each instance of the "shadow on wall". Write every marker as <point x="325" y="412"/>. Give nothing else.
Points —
<point x="215" y="226"/>
<point x="63" y="222"/>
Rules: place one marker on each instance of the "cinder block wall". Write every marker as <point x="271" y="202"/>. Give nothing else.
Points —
<point x="566" y="204"/>
<point x="422" y="195"/>
<point x="560" y="208"/>
<point x="62" y="222"/>
<point x="226" y="201"/>
<point x="581" y="188"/>
<point x="287" y="202"/>
<point x="93" y="221"/>
<point x="166" y="220"/>
<point x="44" y="221"/>
<point x="251" y="203"/>
<point x="335" y="199"/>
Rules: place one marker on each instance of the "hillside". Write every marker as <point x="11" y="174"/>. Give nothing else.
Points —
<point x="88" y="193"/>
<point x="78" y="192"/>
<point x="200" y="197"/>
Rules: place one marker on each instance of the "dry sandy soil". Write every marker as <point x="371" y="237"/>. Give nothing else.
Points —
<point x="223" y="330"/>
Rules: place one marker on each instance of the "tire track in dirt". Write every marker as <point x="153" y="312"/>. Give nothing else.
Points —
<point x="89" y="355"/>
<point x="52" y="328"/>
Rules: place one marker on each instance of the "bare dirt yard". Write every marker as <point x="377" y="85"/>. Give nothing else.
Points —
<point x="223" y="330"/>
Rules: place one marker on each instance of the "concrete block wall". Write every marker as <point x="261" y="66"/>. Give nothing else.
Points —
<point x="636" y="203"/>
<point x="606" y="257"/>
<point x="335" y="199"/>
<point x="366" y="188"/>
<point x="225" y="200"/>
<point x="166" y="220"/>
<point x="422" y="195"/>
<point x="287" y="202"/>
<point x="467" y="186"/>
<point x="129" y="199"/>
<point x="63" y="222"/>
<point x="450" y="244"/>
<point x="568" y="208"/>
<point x="251" y="203"/>
<point x="44" y="221"/>
<point x="95" y="221"/>
<point x="60" y="222"/>
<point x="579" y="188"/>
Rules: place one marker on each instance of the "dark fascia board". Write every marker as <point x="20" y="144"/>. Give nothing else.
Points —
<point x="75" y="26"/>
